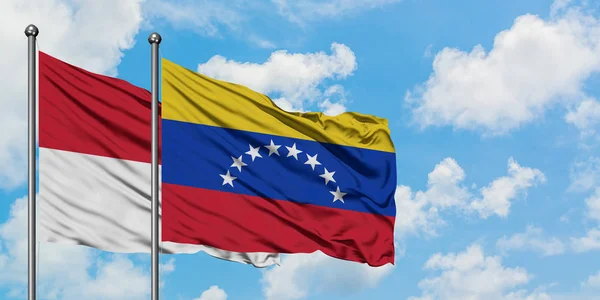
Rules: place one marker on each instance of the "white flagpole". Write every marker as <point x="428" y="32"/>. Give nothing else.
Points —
<point x="154" y="39"/>
<point x="31" y="32"/>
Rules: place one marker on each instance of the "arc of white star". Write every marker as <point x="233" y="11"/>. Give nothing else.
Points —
<point x="312" y="161"/>
<point x="238" y="163"/>
<point x="293" y="151"/>
<point x="273" y="148"/>
<point x="228" y="179"/>
<point x="338" y="195"/>
<point x="328" y="176"/>
<point x="253" y="152"/>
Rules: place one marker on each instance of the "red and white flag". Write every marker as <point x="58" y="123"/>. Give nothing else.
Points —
<point x="94" y="164"/>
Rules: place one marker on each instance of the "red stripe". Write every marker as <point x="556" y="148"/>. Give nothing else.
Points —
<point x="244" y="223"/>
<point x="84" y="112"/>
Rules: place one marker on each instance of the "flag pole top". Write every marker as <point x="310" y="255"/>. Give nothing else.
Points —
<point x="32" y="30"/>
<point x="154" y="38"/>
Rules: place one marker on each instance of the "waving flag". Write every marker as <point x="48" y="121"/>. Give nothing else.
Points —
<point x="94" y="137"/>
<point x="240" y="174"/>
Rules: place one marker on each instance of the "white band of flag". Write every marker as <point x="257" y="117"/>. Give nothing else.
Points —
<point x="104" y="203"/>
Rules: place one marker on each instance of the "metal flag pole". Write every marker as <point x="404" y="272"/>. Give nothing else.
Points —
<point x="31" y="32"/>
<point x="154" y="39"/>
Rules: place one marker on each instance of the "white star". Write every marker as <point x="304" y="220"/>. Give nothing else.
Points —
<point x="328" y="176"/>
<point x="312" y="161"/>
<point x="273" y="148"/>
<point x="238" y="163"/>
<point x="293" y="151"/>
<point x="227" y="178"/>
<point x="253" y="152"/>
<point x="338" y="195"/>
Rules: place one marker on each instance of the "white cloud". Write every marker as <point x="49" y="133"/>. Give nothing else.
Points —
<point x="213" y="18"/>
<point x="532" y="239"/>
<point x="167" y="267"/>
<point x="559" y="6"/>
<point x="420" y="211"/>
<point x="590" y="242"/>
<point x="589" y="290"/>
<point x="213" y="293"/>
<point x="204" y="16"/>
<point x="593" y="282"/>
<point x="261" y="42"/>
<point x="586" y="116"/>
<point x="593" y="205"/>
<point x="532" y="66"/>
<point x="303" y="274"/>
<point x="524" y="295"/>
<point x="443" y="185"/>
<point x="415" y="214"/>
<point x="472" y="275"/>
<point x="287" y="105"/>
<point x="427" y="53"/>
<point x="114" y="278"/>
<point x="301" y="11"/>
<point x="496" y="196"/>
<point x="331" y="109"/>
<point x="295" y="78"/>
<point x="210" y="18"/>
<point x="585" y="174"/>
<point x="73" y="31"/>
<point x="330" y="106"/>
<point x="118" y="278"/>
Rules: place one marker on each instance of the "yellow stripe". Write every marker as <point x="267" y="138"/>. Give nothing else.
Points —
<point x="190" y="97"/>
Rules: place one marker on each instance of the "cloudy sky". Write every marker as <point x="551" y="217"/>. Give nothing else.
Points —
<point x="493" y="108"/>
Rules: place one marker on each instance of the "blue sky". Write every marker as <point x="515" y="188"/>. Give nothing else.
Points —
<point x="493" y="108"/>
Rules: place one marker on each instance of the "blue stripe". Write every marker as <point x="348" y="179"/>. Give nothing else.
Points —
<point x="194" y="155"/>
